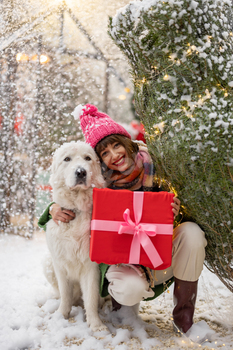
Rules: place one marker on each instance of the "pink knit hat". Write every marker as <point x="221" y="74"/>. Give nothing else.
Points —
<point x="96" y="125"/>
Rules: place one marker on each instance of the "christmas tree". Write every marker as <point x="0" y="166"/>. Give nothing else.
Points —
<point x="181" y="57"/>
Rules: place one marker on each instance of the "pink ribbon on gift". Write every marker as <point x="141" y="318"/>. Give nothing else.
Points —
<point x="140" y="231"/>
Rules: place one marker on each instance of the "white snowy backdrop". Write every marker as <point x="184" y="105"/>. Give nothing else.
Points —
<point x="53" y="55"/>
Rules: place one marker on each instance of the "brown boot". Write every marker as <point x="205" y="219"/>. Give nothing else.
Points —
<point x="185" y="294"/>
<point x="115" y="305"/>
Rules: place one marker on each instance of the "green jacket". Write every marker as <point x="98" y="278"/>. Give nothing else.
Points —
<point x="45" y="217"/>
<point x="159" y="289"/>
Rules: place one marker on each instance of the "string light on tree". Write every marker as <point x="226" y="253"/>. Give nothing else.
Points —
<point x="22" y="57"/>
<point x="193" y="91"/>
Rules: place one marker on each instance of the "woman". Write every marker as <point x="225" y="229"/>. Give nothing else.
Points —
<point x="127" y="165"/>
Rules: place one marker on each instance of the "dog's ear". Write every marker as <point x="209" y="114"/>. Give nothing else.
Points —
<point x="98" y="180"/>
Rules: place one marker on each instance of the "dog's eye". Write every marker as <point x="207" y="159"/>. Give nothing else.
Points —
<point x="67" y="159"/>
<point x="87" y="158"/>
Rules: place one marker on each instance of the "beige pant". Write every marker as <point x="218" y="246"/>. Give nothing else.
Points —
<point x="188" y="256"/>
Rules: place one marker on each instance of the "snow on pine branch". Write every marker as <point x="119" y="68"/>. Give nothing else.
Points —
<point x="181" y="57"/>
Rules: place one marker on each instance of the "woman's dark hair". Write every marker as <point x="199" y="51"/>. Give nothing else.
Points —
<point x="130" y="146"/>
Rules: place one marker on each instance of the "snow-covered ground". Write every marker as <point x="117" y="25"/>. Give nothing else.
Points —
<point x="29" y="321"/>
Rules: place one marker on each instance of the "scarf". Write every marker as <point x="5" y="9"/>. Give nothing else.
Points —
<point x="138" y="176"/>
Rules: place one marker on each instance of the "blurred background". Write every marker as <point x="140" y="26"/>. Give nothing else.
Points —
<point x="54" y="55"/>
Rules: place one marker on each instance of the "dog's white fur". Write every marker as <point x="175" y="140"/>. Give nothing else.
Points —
<point x="76" y="275"/>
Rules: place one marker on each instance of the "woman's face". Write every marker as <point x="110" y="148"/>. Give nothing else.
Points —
<point x="115" y="157"/>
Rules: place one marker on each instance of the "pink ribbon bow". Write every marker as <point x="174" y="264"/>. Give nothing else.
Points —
<point x="140" y="232"/>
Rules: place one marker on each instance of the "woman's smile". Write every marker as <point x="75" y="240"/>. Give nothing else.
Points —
<point x="120" y="161"/>
<point x="115" y="157"/>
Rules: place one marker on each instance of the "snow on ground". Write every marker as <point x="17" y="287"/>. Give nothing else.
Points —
<point x="29" y="320"/>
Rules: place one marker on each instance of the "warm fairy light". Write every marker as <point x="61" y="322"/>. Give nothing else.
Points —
<point x="189" y="51"/>
<point x="44" y="59"/>
<point x="122" y="97"/>
<point x="208" y="95"/>
<point x="127" y="89"/>
<point x="22" y="57"/>
<point x="172" y="189"/>
<point x="159" y="127"/>
<point x="166" y="77"/>
<point x="34" y="58"/>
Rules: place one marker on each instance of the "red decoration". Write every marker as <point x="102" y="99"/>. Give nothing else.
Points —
<point x="19" y="123"/>
<point x="140" y="131"/>
<point x="122" y="232"/>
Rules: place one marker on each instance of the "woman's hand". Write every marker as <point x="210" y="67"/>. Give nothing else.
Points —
<point x="176" y="206"/>
<point x="59" y="214"/>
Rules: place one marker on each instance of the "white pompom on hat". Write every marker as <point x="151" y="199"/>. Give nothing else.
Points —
<point x="96" y="125"/>
<point x="77" y="112"/>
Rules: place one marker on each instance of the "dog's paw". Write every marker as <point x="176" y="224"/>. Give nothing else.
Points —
<point x="97" y="325"/>
<point x="99" y="328"/>
<point x="64" y="311"/>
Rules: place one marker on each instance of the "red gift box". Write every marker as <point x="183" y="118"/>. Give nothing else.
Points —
<point x="132" y="227"/>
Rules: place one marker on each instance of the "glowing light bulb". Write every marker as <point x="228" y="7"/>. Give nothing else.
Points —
<point x="22" y="57"/>
<point x="44" y="59"/>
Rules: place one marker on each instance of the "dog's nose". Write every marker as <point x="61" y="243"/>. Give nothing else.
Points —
<point x="81" y="173"/>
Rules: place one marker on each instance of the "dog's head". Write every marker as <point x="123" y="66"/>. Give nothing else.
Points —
<point x="76" y="166"/>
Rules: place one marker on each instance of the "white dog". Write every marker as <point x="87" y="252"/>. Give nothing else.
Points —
<point x="75" y="171"/>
